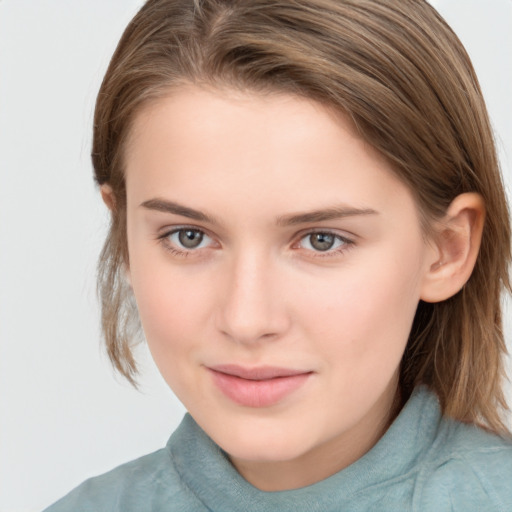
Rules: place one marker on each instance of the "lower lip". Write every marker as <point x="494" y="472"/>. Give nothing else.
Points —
<point x="258" y="393"/>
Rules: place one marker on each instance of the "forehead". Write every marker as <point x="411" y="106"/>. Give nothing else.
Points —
<point x="251" y="148"/>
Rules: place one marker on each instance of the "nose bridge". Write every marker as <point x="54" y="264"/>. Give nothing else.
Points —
<point x="250" y="308"/>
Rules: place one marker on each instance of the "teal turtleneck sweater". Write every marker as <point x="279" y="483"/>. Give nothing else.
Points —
<point x="424" y="463"/>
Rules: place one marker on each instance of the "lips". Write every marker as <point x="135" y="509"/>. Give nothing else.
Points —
<point x="257" y="387"/>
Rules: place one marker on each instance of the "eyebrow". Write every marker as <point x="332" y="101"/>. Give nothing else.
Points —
<point x="336" y="212"/>
<point x="162" y="205"/>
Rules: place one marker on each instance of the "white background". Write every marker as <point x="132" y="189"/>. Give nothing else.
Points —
<point x="64" y="416"/>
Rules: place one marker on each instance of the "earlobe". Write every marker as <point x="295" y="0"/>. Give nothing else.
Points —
<point x="107" y="194"/>
<point x="127" y="275"/>
<point x="457" y="242"/>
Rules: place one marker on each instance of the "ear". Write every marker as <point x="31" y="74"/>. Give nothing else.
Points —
<point x="107" y="194"/>
<point x="456" y="244"/>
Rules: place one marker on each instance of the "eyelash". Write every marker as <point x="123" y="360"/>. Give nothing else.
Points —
<point x="346" y="243"/>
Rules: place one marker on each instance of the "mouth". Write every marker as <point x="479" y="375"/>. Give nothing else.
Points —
<point x="262" y="386"/>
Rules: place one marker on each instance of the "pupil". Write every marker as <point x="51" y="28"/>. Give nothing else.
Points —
<point x="321" y="241"/>
<point x="190" y="238"/>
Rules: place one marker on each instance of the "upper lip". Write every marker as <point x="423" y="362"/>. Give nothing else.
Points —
<point x="258" y="372"/>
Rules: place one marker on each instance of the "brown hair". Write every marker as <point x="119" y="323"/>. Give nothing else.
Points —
<point x="402" y="75"/>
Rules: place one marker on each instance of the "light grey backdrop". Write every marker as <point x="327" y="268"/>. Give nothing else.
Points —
<point x="63" y="415"/>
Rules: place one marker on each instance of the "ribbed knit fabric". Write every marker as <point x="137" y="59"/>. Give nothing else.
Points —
<point x="423" y="463"/>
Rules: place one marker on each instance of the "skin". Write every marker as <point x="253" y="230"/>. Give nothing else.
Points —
<point x="256" y="292"/>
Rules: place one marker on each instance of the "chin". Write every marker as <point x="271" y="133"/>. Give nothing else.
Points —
<point x="264" y="452"/>
<point x="262" y="442"/>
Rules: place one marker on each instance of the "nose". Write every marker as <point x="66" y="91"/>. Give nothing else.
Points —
<point x="252" y="308"/>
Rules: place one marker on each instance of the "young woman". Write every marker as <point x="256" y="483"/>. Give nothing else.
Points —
<point x="308" y="221"/>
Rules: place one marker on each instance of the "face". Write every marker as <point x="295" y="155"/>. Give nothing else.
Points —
<point x="277" y="264"/>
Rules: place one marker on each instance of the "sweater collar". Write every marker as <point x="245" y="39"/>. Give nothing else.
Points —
<point x="209" y="474"/>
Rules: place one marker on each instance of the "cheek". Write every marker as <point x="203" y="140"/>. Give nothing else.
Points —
<point x="361" y="317"/>
<point x="173" y="326"/>
<point x="171" y="306"/>
<point x="170" y="311"/>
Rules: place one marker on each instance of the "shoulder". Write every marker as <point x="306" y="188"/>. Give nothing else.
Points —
<point x="468" y="469"/>
<point x="149" y="483"/>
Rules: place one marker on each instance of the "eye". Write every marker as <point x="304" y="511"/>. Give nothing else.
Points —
<point x="186" y="239"/>
<point x="323" y="241"/>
